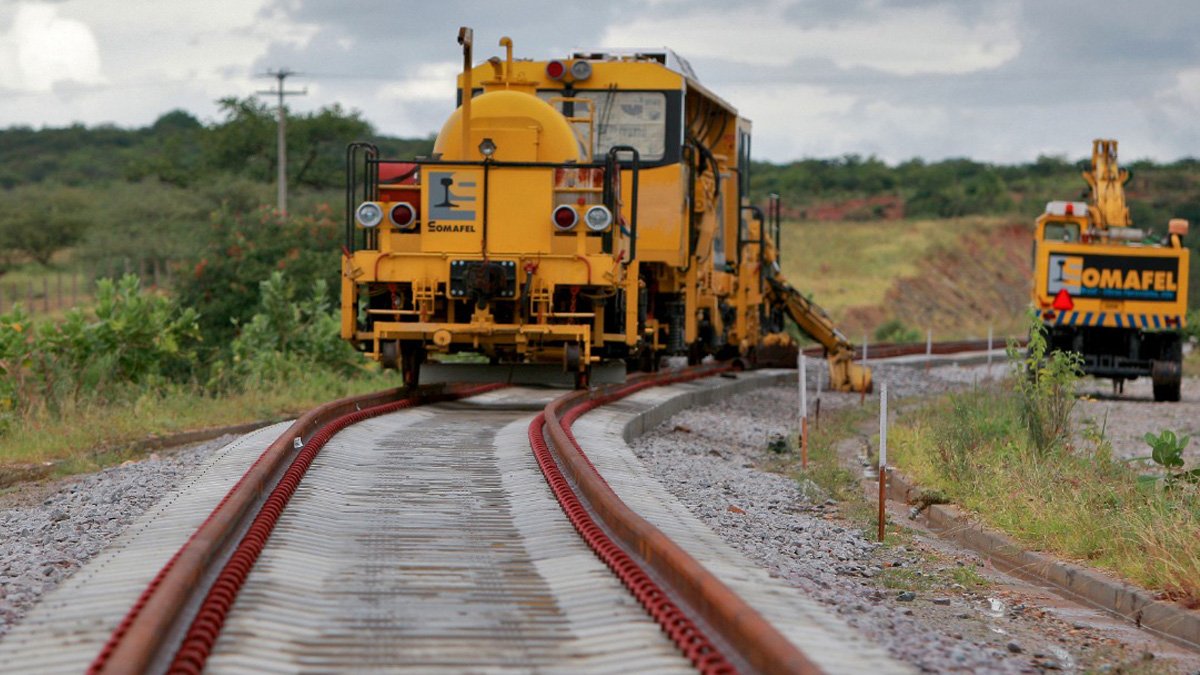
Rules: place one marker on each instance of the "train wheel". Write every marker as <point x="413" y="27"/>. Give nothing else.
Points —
<point x="411" y="357"/>
<point x="648" y="361"/>
<point x="572" y="359"/>
<point x="695" y="353"/>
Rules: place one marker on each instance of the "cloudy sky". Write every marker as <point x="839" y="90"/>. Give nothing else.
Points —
<point x="997" y="80"/>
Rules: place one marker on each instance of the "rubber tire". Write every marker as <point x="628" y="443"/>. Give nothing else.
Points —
<point x="1169" y="393"/>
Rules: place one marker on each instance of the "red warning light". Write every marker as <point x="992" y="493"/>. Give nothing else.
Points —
<point x="1070" y="210"/>
<point x="1063" y="301"/>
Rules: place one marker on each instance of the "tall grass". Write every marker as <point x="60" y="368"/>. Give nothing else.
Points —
<point x="1075" y="501"/>
<point x="92" y="432"/>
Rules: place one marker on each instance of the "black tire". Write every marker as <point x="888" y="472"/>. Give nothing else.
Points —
<point x="389" y="355"/>
<point x="1167" y="392"/>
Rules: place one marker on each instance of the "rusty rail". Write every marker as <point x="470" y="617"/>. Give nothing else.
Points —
<point x="156" y="621"/>
<point x="737" y="627"/>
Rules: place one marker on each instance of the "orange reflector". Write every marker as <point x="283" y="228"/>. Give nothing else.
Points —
<point x="1063" y="301"/>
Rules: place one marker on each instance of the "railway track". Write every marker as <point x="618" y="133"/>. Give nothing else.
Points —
<point x="426" y="536"/>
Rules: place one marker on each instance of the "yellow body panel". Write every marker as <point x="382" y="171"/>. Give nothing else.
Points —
<point x="501" y="258"/>
<point x="1116" y="285"/>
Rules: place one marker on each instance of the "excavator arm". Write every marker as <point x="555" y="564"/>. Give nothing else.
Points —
<point x="844" y="373"/>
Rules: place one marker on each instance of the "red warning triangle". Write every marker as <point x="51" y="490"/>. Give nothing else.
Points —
<point x="1063" y="301"/>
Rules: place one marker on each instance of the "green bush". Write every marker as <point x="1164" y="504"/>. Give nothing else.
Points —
<point x="894" y="330"/>
<point x="239" y="249"/>
<point x="16" y="350"/>
<point x="131" y="338"/>
<point x="288" y="335"/>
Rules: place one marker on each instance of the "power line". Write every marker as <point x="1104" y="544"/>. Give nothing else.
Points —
<point x="281" y="127"/>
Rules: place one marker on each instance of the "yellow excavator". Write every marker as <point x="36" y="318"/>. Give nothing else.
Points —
<point x="780" y="297"/>
<point x="1113" y="293"/>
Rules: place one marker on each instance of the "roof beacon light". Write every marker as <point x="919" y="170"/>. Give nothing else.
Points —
<point x="556" y="69"/>
<point x="1066" y="208"/>
<point x="564" y="218"/>
<point x="368" y="214"/>
<point x="581" y="70"/>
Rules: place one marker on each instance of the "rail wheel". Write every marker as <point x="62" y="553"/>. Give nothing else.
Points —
<point x="412" y="355"/>
<point x="648" y="361"/>
<point x="695" y="353"/>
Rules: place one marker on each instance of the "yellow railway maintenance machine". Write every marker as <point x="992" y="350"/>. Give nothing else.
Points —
<point x="1110" y="292"/>
<point x="583" y="212"/>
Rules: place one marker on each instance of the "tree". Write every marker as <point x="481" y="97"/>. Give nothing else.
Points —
<point x="40" y="220"/>
<point x="244" y="143"/>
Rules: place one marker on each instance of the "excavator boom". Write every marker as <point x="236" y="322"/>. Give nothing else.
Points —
<point x="844" y="373"/>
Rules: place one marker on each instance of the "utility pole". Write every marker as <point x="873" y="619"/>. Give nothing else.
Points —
<point x="281" y="180"/>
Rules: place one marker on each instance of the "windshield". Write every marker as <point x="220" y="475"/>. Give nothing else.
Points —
<point x="636" y="118"/>
<point x="1061" y="231"/>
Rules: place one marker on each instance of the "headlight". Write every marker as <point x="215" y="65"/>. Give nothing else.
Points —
<point x="368" y="214"/>
<point x="598" y="218"/>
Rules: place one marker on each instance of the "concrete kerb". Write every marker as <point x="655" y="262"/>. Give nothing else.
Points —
<point x="1138" y="605"/>
<point x="1167" y="619"/>
<point x="704" y="394"/>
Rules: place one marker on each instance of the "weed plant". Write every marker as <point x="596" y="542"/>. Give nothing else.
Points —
<point x="1044" y="382"/>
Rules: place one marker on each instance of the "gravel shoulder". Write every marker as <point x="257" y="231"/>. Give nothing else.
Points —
<point x="52" y="529"/>
<point x="930" y="604"/>
<point x="1126" y="418"/>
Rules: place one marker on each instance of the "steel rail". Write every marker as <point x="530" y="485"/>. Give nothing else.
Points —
<point x="141" y="640"/>
<point x="158" y="619"/>
<point x="649" y="553"/>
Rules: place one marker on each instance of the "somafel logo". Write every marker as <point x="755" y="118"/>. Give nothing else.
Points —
<point x="1132" y="277"/>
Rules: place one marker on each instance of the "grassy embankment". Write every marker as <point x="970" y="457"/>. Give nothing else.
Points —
<point x="94" y="435"/>
<point x="954" y="276"/>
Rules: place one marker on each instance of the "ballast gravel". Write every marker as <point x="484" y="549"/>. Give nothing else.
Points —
<point x="717" y="460"/>
<point x="51" y="530"/>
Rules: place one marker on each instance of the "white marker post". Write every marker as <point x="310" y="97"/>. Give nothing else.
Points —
<point x="989" y="364"/>
<point x="928" y="347"/>
<point x="803" y="383"/>
<point x="882" y="459"/>
<point x="862" y="399"/>
<point x="817" y="412"/>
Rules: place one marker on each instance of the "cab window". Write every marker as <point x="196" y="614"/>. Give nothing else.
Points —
<point x="1061" y="231"/>
<point x="636" y="118"/>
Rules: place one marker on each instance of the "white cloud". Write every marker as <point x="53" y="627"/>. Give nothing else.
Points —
<point x="42" y="49"/>
<point x="794" y="121"/>
<point x="431" y="82"/>
<point x="895" y="40"/>
<point x="1181" y="103"/>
